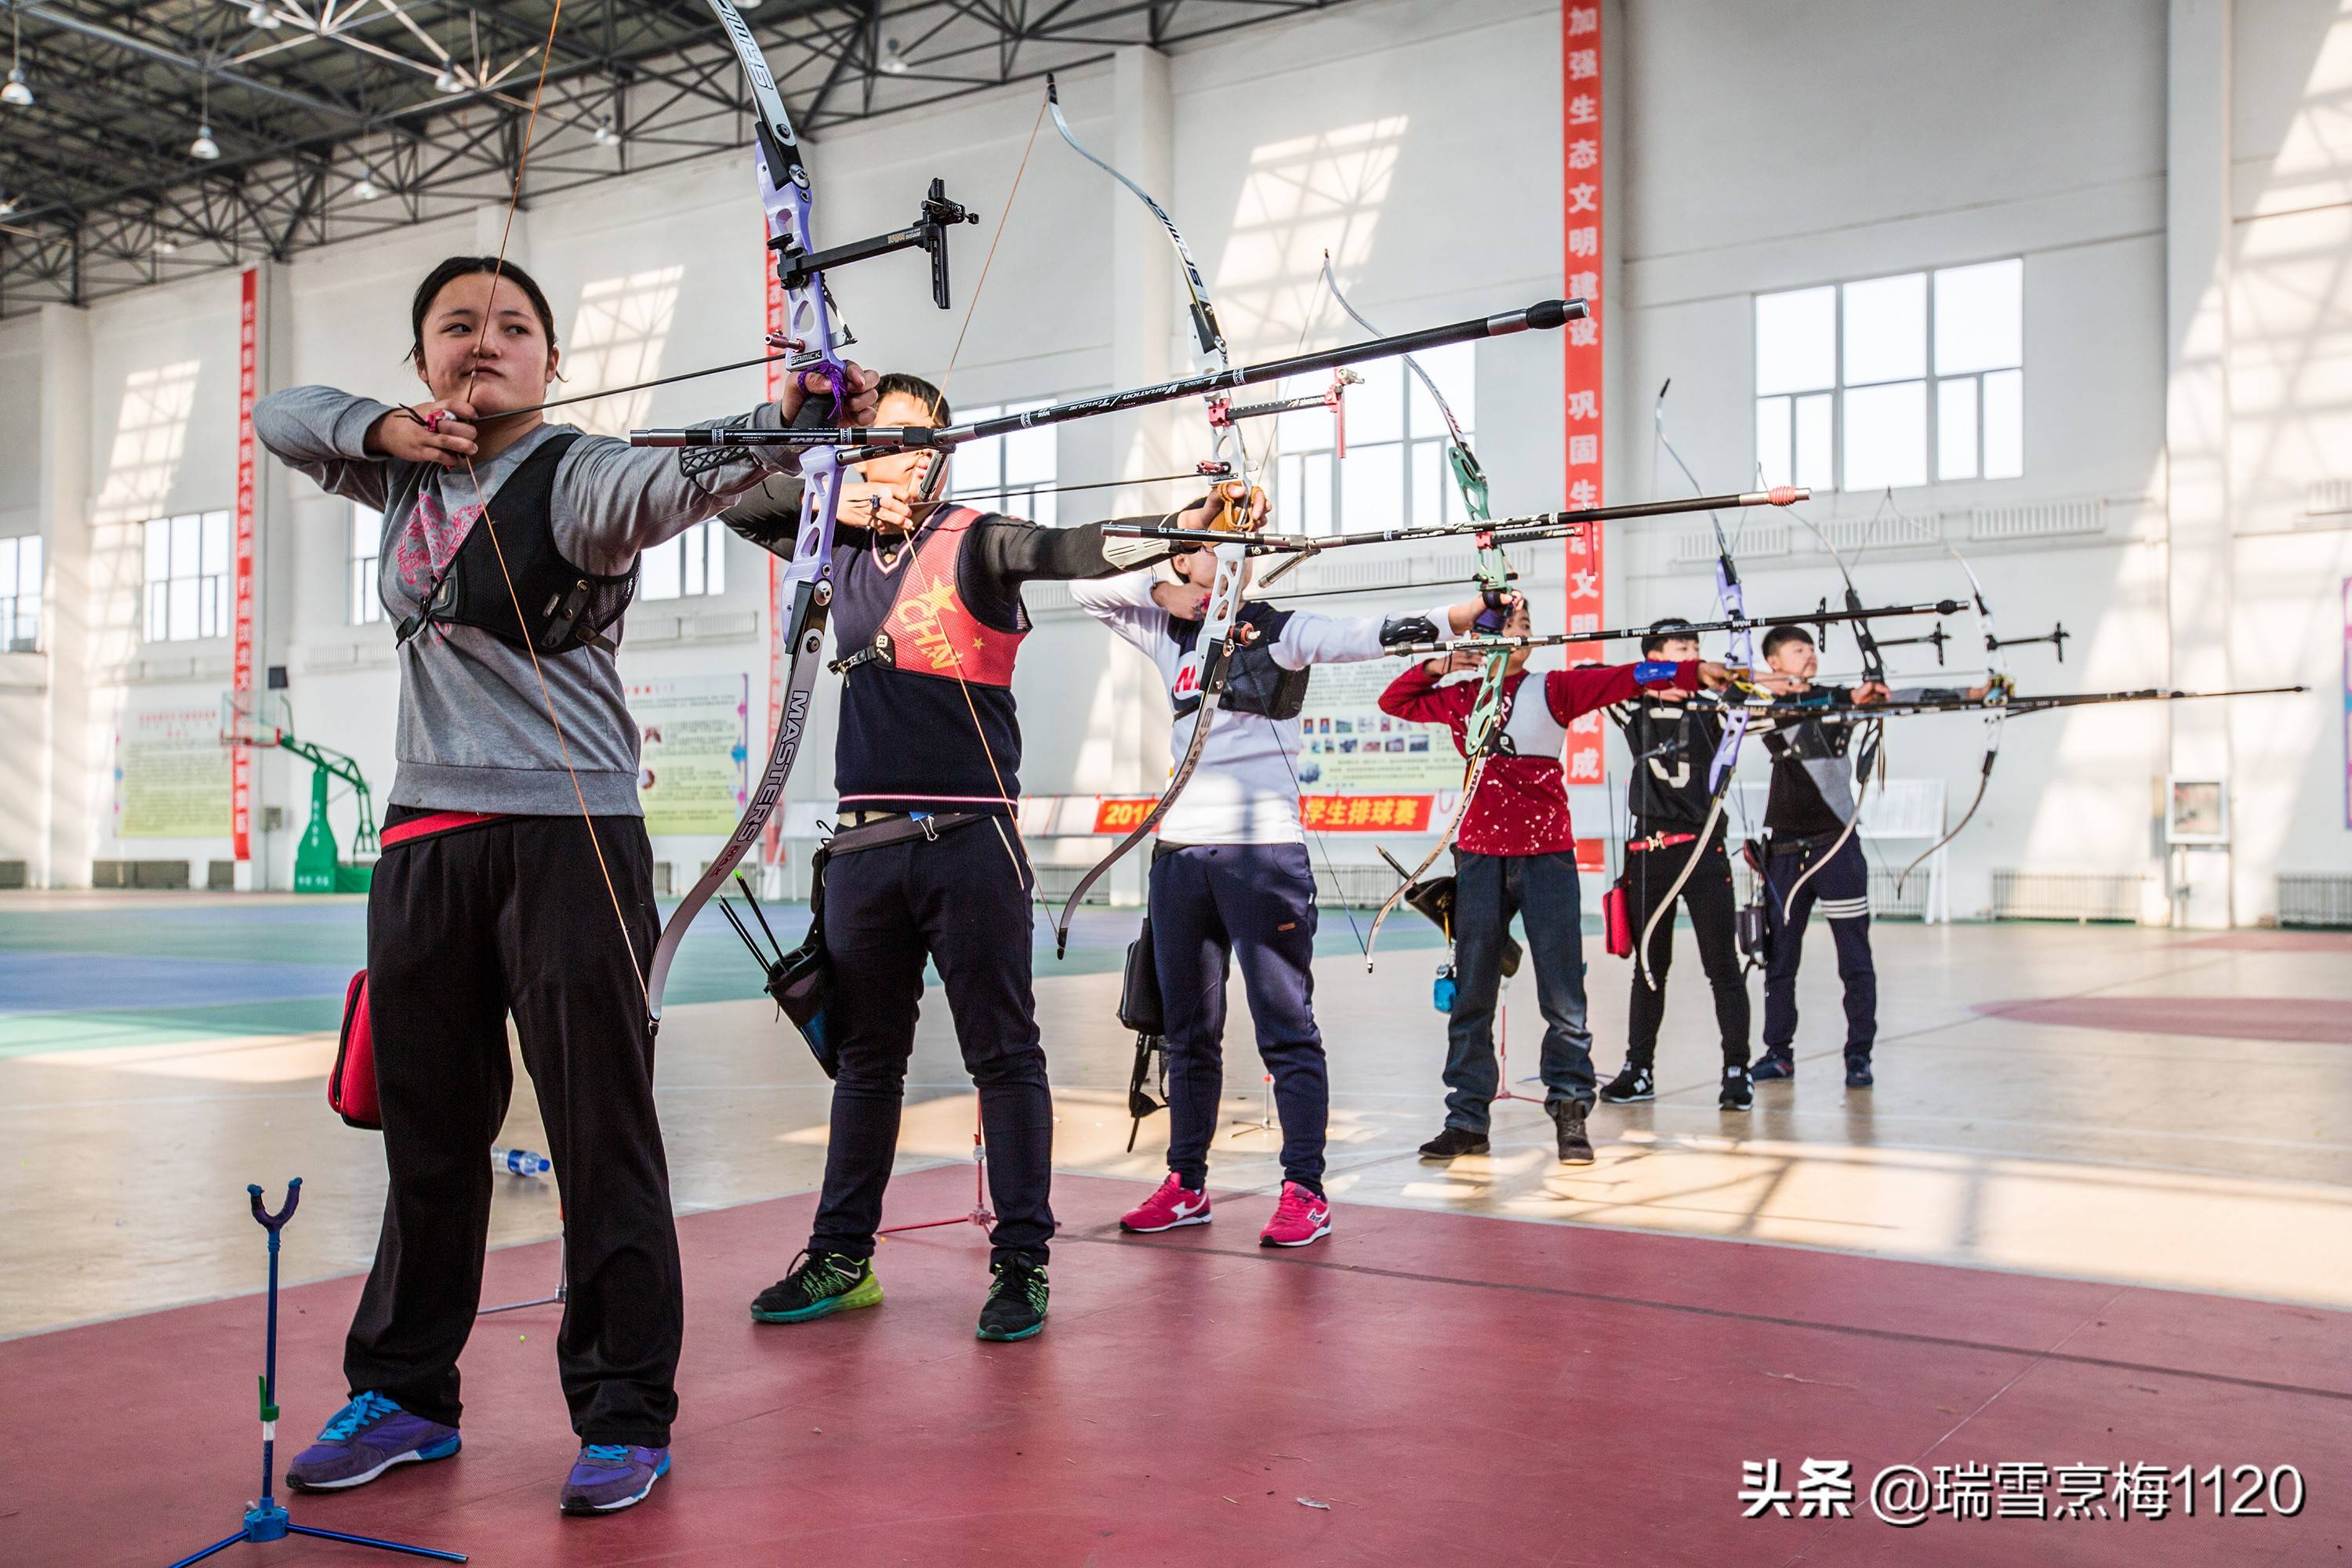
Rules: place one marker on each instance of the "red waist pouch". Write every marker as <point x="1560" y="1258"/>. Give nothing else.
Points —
<point x="1617" y="921"/>
<point x="351" y="1087"/>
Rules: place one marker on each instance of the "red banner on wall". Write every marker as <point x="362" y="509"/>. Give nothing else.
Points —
<point x="772" y="842"/>
<point x="240" y="758"/>
<point x="1582" y="206"/>
<point x="1367" y="813"/>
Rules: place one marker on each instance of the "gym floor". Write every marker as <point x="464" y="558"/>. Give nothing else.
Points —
<point x="2095" y="1213"/>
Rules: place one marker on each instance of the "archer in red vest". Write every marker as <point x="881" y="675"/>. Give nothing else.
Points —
<point x="926" y="864"/>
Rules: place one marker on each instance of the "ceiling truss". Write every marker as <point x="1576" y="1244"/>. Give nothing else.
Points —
<point x="335" y="120"/>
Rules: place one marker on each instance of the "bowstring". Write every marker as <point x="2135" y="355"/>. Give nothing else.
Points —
<point x="1322" y="843"/>
<point x="546" y="696"/>
<point x="1025" y="871"/>
<point x="1733" y="788"/>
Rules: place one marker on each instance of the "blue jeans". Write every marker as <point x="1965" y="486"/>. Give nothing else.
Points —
<point x="1210" y="904"/>
<point x="1489" y="889"/>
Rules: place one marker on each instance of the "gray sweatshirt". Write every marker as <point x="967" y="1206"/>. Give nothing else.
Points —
<point x="473" y="732"/>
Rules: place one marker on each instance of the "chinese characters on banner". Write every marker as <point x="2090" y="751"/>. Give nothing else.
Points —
<point x="771" y="841"/>
<point x="1582" y="206"/>
<point x="240" y="786"/>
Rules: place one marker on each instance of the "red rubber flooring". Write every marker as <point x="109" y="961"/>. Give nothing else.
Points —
<point x="2323" y="1019"/>
<point x="1455" y="1390"/>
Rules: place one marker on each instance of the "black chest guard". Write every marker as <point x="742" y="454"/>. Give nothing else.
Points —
<point x="1254" y="683"/>
<point x="563" y="607"/>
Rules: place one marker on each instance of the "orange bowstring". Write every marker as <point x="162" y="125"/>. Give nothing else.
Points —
<point x="1019" y="859"/>
<point x="562" y="744"/>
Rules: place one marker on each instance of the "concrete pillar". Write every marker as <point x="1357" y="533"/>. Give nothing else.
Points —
<point x="2198" y="554"/>
<point x="70" y="766"/>
<point x="1151" y="341"/>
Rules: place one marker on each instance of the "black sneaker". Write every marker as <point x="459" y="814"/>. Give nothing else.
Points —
<point x="1737" y="1095"/>
<point x="1857" y="1072"/>
<point x="820" y="1284"/>
<point x="1451" y="1143"/>
<point x="1568" y="1116"/>
<point x="1772" y="1066"/>
<point x="1631" y="1086"/>
<point x="1016" y="1307"/>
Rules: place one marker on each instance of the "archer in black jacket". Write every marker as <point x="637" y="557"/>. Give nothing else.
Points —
<point x="1666" y="801"/>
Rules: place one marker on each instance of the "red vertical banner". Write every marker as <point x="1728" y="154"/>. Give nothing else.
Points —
<point x="1582" y="207"/>
<point x="240" y="758"/>
<point x="771" y="841"/>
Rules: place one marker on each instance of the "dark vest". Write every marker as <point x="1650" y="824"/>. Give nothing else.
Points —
<point x="1253" y="682"/>
<point x="1673" y="744"/>
<point x="908" y="740"/>
<point x="564" y="606"/>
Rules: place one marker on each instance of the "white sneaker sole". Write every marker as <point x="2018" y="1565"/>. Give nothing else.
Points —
<point x="410" y="1458"/>
<point x="617" y="1505"/>
<point x="1322" y="1231"/>
<point x="1201" y="1218"/>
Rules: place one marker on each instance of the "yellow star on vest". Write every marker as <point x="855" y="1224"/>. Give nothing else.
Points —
<point x="935" y="598"/>
<point x="976" y="645"/>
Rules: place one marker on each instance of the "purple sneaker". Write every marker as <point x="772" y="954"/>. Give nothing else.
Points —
<point x="367" y="1438"/>
<point x="608" y="1477"/>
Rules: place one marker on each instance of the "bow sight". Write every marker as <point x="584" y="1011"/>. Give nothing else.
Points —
<point x="929" y="231"/>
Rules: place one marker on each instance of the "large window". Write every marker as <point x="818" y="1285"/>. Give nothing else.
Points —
<point x="20" y="594"/>
<point x="693" y="564"/>
<point x="1395" y="473"/>
<point x="187" y="577"/>
<point x="1012" y="474"/>
<point x="1893" y="381"/>
<point x="365" y="605"/>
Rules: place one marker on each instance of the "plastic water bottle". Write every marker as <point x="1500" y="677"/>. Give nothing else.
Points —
<point x="1442" y="992"/>
<point x="521" y="1163"/>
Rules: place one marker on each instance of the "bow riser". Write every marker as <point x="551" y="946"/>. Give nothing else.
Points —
<point x="788" y="205"/>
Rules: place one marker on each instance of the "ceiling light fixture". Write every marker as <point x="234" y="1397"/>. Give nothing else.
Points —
<point x="605" y="136"/>
<point x="447" y="81"/>
<point x="893" y="62"/>
<point x="366" y="190"/>
<point x="260" y="15"/>
<point x="204" y="147"/>
<point x="18" y="93"/>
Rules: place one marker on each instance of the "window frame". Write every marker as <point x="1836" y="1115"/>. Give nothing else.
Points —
<point x="1039" y="501"/>
<point x="12" y="603"/>
<point x="217" y="608"/>
<point x="363" y="599"/>
<point x="1413" y="445"/>
<point x="1931" y="379"/>
<point x="709" y="536"/>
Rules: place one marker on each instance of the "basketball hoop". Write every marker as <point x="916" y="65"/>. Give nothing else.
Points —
<point x="241" y="723"/>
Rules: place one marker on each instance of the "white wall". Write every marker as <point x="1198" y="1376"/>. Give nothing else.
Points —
<point x="1759" y="148"/>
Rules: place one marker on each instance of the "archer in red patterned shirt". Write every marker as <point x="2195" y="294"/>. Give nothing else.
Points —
<point x="1515" y="853"/>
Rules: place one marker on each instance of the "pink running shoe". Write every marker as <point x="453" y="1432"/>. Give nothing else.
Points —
<point x="1300" y="1217"/>
<point x="1172" y="1205"/>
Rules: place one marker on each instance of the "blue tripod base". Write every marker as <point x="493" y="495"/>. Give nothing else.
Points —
<point x="266" y="1521"/>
